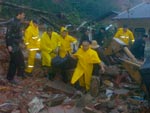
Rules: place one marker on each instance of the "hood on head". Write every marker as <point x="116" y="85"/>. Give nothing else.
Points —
<point x="63" y="29"/>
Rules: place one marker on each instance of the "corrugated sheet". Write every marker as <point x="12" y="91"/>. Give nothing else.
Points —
<point x="140" y="11"/>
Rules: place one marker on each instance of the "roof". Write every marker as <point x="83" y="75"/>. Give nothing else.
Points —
<point x="106" y="15"/>
<point x="140" y="11"/>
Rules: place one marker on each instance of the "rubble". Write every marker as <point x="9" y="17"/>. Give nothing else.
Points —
<point x="35" y="105"/>
<point x="16" y="99"/>
<point x="37" y="94"/>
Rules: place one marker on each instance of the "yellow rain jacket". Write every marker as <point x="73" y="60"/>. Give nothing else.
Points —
<point x="83" y="71"/>
<point x="32" y="41"/>
<point x="31" y="38"/>
<point x="126" y="37"/>
<point x="65" y="44"/>
<point x="49" y="44"/>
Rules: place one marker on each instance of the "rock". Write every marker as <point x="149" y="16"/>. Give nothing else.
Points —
<point x="84" y="100"/>
<point x="60" y="86"/>
<point x="35" y="105"/>
<point x="121" y="91"/>
<point x="95" y="86"/>
<point x="111" y="105"/>
<point x="88" y="110"/>
<point x="56" y="99"/>
<point x="108" y="83"/>
<point x="16" y="111"/>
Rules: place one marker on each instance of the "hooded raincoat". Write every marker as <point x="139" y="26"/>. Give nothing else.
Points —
<point x="126" y="37"/>
<point x="65" y="43"/>
<point x="83" y="71"/>
<point x="32" y="41"/>
<point x="48" y="45"/>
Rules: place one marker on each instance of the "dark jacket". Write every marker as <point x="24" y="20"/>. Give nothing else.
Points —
<point x="100" y="37"/>
<point x="138" y="48"/>
<point x="14" y="34"/>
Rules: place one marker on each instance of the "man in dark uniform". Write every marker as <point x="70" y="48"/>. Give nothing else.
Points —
<point x="100" y="37"/>
<point x="138" y="47"/>
<point x="13" y="40"/>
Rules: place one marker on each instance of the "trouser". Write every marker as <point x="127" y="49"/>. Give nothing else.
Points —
<point x="30" y="63"/>
<point x="64" y="75"/>
<point x="96" y="69"/>
<point x="49" y="72"/>
<point x="47" y="58"/>
<point x="16" y="64"/>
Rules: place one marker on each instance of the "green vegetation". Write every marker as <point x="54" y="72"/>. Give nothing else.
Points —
<point x="73" y="10"/>
<point x="62" y="12"/>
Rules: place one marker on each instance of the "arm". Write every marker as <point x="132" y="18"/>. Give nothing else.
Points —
<point x="27" y="37"/>
<point x="73" y="56"/>
<point x="76" y="55"/>
<point x="131" y="37"/>
<point x="102" y="67"/>
<point x="9" y="38"/>
<point x="73" y="40"/>
<point x="44" y="45"/>
<point x="9" y="41"/>
<point x="117" y="35"/>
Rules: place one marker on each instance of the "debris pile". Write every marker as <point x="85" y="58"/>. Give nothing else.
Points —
<point x="114" y="92"/>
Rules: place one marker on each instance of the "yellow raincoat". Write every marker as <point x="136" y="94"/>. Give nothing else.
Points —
<point x="65" y="44"/>
<point x="83" y="71"/>
<point x="126" y="37"/>
<point x="48" y="44"/>
<point x="32" y="42"/>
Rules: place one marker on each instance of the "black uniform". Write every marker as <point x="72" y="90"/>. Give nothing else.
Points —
<point x="100" y="37"/>
<point x="13" y="39"/>
<point x="138" y="48"/>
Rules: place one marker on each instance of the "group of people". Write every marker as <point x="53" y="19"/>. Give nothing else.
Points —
<point x="124" y="34"/>
<point x="52" y="44"/>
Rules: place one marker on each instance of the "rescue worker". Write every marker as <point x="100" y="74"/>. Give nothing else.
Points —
<point x="66" y="41"/>
<point x="49" y="48"/>
<point x="86" y="58"/>
<point x="125" y="35"/>
<point x="32" y="42"/>
<point x="13" y="40"/>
